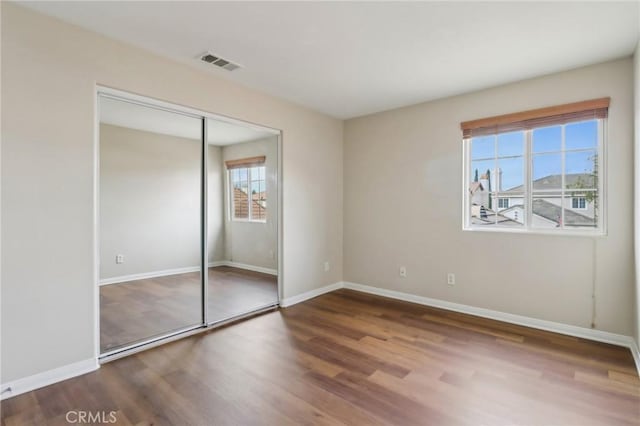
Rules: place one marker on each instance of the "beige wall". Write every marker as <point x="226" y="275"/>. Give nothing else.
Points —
<point x="403" y="206"/>
<point x="149" y="201"/>
<point x="49" y="76"/>
<point x="254" y="243"/>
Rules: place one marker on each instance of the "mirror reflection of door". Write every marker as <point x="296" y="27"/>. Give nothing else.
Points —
<point x="150" y="191"/>
<point x="242" y="219"/>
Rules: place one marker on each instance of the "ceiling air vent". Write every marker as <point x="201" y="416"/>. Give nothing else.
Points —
<point x="218" y="61"/>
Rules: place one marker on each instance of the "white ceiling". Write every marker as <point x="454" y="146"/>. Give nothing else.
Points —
<point x="130" y="115"/>
<point x="353" y="58"/>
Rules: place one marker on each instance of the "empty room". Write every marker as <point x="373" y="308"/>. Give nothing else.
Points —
<point x="337" y="213"/>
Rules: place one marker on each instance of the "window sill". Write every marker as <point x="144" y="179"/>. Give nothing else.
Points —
<point x="557" y="233"/>
<point x="248" y="221"/>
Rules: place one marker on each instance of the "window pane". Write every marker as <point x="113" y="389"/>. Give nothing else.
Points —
<point x="581" y="169"/>
<point x="511" y="217"/>
<point x="263" y="192"/>
<point x="581" y="135"/>
<point x="547" y="139"/>
<point x="240" y="188"/>
<point x="508" y="180"/>
<point x="547" y="171"/>
<point x="258" y="210"/>
<point x="510" y="211"/>
<point x="488" y="208"/>
<point x="546" y="210"/>
<point x="240" y="207"/>
<point x="258" y="194"/>
<point x="580" y="209"/>
<point x="509" y="176"/>
<point x="479" y="192"/>
<point x="480" y="169"/>
<point x="239" y="179"/>
<point x="510" y="144"/>
<point x="483" y="147"/>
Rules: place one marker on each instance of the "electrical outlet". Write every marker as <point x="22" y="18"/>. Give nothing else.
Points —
<point x="119" y="258"/>
<point x="403" y="271"/>
<point x="451" y="278"/>
<point x="327" y="266"/>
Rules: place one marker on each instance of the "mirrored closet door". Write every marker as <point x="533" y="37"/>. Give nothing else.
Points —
<point x="179" y="194"/>
<point x="150" y="222"/>
<point x="242" y="219"/>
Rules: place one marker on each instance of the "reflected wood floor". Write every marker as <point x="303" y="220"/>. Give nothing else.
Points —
<point x="355" y="359"/>
<point x="140" y="309"/>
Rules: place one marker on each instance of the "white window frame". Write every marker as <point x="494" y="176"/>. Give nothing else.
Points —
<point x="230" y="190"/>
<point x="527" y="228"/>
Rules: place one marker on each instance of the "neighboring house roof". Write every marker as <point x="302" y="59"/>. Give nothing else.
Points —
<point x="545" y="210"/>
<point x="241" y="206"/>
<point x="492" y="217"/>
<point x="552" y="212"/>
<point x="474" y="186"/>
<point x="574" y="180"/>
<point x="513" y="207"/>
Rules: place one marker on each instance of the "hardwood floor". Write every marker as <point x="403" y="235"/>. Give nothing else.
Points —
<point x="137" y="310"/>
<point x="350" y="358"/>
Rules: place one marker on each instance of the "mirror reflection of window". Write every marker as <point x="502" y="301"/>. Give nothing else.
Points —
<point x="242" y="219"/>
<point x="249" y="193"/>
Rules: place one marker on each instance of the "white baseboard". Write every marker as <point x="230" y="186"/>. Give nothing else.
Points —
<point x="556" y="327"/>
<point x="250" y="267"/>
<point x="147" y="275"/>
<point x="177" y="271"/>
<point x="47" y="378"/>
<point x="290" y="301"/>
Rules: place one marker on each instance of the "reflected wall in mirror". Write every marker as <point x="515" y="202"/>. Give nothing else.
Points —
<point x="150" y="222"/>
<point x="242" y="219"/>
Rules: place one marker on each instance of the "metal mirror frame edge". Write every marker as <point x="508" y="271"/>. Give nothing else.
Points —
<point x="124" y="96"/>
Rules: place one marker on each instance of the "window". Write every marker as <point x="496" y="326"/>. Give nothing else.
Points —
<point x="247" y="189"/>
<point x="538" y="170"/>
<point x="503" y="203"/>
<point x="579" y="203"/>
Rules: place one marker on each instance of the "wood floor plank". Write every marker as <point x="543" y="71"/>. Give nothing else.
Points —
<point x="140" y="309"/>
<point x="347" y="358"/>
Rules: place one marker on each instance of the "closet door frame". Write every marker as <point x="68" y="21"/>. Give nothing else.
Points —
<point x="116" y="94"/>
